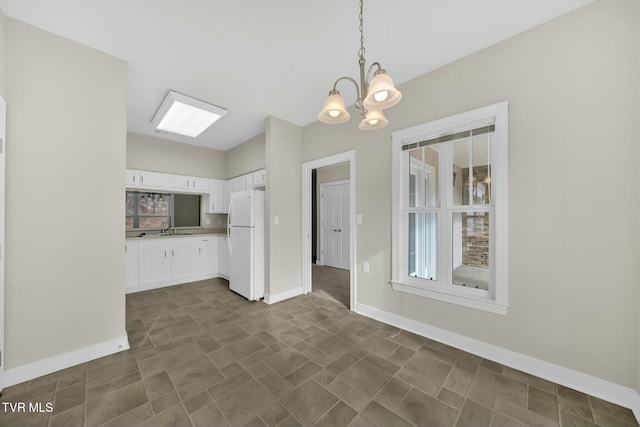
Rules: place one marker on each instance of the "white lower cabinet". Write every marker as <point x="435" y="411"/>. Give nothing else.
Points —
<point x="208" y="256"/>
<point x="184" y="258"/>
<point x="131" y="264"/>
<point x="154" y="262"/>
<point x="168" y="261"/>
<point x="223" y="257"/>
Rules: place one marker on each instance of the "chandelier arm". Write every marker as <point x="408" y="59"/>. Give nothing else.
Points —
<point x="375" y="64"/>
<point x="359" y="100"/>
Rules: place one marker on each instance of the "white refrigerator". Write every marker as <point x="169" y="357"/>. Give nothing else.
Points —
<point x="245" y="229"/>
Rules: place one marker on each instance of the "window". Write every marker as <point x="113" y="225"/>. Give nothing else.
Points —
<point x="148" y="211"/>
<point x="450" y="209"/>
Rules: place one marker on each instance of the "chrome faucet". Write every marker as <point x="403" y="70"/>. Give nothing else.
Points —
<point x="164" y="230"/>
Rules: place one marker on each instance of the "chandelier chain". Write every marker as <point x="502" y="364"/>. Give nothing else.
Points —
<point x="362" y="50"/>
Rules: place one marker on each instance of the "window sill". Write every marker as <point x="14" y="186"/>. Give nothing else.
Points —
<point x="479" y="303"/>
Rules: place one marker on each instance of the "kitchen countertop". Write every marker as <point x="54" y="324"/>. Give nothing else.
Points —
<point x="154" y="235"/>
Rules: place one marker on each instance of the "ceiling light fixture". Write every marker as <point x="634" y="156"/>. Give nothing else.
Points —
<point x="183" y="115"/>
<point x="372" y="97"/>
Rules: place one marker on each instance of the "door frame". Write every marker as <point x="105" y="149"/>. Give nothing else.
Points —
<point x="307" y="167"/>
<point x="321" y="208"/>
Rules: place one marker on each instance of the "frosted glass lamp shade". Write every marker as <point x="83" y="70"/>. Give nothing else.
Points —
<point x="374" y="119"/>
<point x="382" y="93"/>
<point x="333" y="111"/>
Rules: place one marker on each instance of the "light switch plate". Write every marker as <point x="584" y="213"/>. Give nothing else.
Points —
<point x="276" y="220"/>
<point x="359" y="219"/>
<point x="365" y="267"/>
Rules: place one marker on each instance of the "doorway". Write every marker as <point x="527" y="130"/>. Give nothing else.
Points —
<point x="333" y="212"/>
<point x="328" y="255"/>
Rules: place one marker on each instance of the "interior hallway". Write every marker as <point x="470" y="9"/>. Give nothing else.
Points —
<point x="331" y="283"/>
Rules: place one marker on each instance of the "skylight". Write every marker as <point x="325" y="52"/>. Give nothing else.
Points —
<point x="183" y="115"/>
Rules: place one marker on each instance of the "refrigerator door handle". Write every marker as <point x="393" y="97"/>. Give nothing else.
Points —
<point x="229" y="225"/>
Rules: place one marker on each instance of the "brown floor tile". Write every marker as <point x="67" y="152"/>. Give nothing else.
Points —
<point x="367" y="377"/>
<point x="383" y="417"/>
<point x="308" y="402"/>
<point x="424" y="410"/>
<point x="501" y="386"/>
<point x="274" y="415"/>
<point x="69" y="397"/>
<point x="208" y="416"/>
<point x="351" y="395"/>
<point x="244" y="403"/>
<point x="522" y="414"/>
<point x="115" y="403"/>
<point x="174" y="416"/>
<point x="473" y="414"/>
<point x="201" y="355"/>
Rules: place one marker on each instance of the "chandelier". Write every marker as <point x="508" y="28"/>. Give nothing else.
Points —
<point x="372" y="97"/>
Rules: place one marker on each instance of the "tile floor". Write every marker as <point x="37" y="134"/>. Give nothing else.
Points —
<point x="332" y="283"/>
<point x="203" y="356"/>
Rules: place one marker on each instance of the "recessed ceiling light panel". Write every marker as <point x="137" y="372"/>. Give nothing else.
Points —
<point x="183" y="115"/>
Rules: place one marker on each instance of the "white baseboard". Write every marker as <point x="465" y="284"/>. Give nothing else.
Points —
<point x="172" y="283"/>
<point x="272" y="299"/>
<point x="597" y="387"/>
<point x="46" y="366"/>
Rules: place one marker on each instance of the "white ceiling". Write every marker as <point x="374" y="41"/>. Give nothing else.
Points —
<point x="280" y="57"/>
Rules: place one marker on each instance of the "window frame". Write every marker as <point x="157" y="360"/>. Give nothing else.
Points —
<point x="495" y="300"/>
<point x="136" y="216"/>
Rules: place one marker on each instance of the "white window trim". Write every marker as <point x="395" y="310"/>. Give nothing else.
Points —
<point x="497" y="300"/>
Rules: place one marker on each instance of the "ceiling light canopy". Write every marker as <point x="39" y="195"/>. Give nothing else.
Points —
<point x="183" y="115"/>
<point x="373" y="97"/>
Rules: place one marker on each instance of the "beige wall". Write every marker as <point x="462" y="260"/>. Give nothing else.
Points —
<point x="283" y="199"/>
<point x="2" y="50"/>
<point x="161" y="155"/>
<point x="246" y="157"/>
<point x="572" y="85"/>
<point x="67" y="116"/>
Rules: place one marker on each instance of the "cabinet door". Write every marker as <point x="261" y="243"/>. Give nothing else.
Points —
<point x="155" y="262"/>
<point x="239" y="184"/>
<point x="200" y="185"/>
<point x="223" y="257"/>
<point x="259" y="178"/>
<point x="154" y="180"/>
<point x="180" y="182"/>
<point x="215" y="203"/>
<point x="132" y="178"/>
<point x="208" y="256"/>
<point x="184" y="258"/>
<point x="227" y="195"/>
<point x="131" y="264"/>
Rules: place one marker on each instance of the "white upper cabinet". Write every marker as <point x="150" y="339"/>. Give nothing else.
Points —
<point x="190" y="184"/>
<point x="180" y="182"/>
<point x="132" y="178"/>
<point x="215" y="202"/>
<point x="259" y="178"/>
<point x="158" y="181"/>
<point x="154" y="180"/>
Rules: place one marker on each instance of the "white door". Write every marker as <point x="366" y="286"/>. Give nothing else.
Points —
<point x="334" y="207"/>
